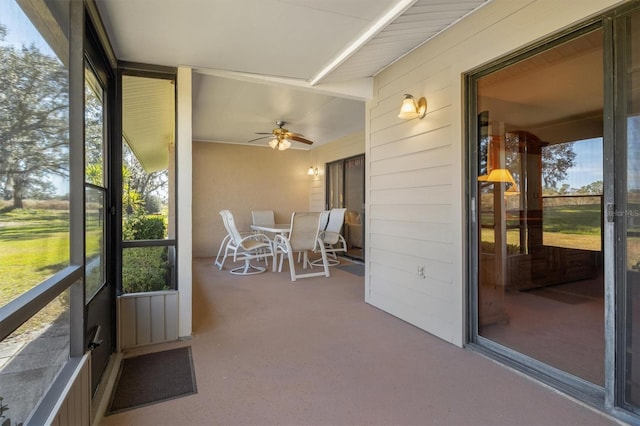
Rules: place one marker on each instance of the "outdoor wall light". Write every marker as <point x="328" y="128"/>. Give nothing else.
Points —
<point x="413" y="109"/>
<point x="312" y="171"/>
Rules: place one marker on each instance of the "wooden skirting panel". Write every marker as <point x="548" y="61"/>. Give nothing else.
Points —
<point x="147" y="318"/>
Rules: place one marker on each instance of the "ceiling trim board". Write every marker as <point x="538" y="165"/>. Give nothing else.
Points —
<point x="369" y="34"/>
<point x="359" y="89"/>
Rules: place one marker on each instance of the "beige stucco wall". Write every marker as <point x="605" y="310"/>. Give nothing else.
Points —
<point x="416" y="206"/>
<point x="242" y="178"/>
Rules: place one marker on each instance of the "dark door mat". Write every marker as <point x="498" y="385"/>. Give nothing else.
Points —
<point x="151" y="378"/>
<point x="356" y="269"/>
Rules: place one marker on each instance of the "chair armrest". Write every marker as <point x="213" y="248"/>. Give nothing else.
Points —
<point x="257" y="237"/>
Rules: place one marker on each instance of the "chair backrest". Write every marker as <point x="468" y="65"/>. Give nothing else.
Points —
<point x="304" y="230"/>
<point x="263" y="217"/>
<point x="324" y="219"/>
<point x="336" y="220"/>
<point x="230" y="225"/>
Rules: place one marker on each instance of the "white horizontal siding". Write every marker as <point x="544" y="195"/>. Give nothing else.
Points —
<point x="415" y="169"/>
<point x="436" y="232"/>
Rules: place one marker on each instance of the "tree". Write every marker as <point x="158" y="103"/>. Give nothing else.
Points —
<point x="33" y="121"/>
<point x="148" y="186"/>
<point x="556" y="160"/>
<point x="594" y="188"/>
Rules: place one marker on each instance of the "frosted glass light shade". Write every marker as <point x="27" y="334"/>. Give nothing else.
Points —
<point x="412" y="109"/>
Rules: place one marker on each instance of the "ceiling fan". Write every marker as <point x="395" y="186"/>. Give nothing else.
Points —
<point x="281" y="138"/>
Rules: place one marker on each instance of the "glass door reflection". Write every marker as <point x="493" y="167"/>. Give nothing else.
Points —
<point x="540" y="184"/>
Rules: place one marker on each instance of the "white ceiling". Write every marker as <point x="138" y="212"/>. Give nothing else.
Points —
<point x="255" y="60"/>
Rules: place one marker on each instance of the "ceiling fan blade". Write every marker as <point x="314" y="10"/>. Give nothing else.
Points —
<point x="264" y="133"/>
<point x="300" y="139"/>
<point x="291" y="134"/>
<point x="257" y="139"/>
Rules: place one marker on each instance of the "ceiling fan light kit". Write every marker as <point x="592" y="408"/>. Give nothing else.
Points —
<point x="284" y="144"/>
<point x="281" y="138"/>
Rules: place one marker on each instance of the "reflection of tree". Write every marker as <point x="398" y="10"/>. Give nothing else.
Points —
<point x="93" y="132"/>
<point x="150" y="187"/>
<point x="556" y="160"/>
<point x="594" y="188"/>
<point x="33" y="121"/>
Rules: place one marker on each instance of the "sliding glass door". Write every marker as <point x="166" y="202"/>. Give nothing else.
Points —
<point x="627" y="212"/>
<point x="345" y="188"/>
<point x="555" y="201"/>
<point x="539" y="203"/>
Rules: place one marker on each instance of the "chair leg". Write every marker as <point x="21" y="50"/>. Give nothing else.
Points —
<point x="223" y="246"/>
<point x="332" y="257"/>
<point x="292" y="266"/>
<point x="247" y="269"/>
<point x="325" y="262"/>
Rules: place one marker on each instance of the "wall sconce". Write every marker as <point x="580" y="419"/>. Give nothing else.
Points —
<point x="312" y="171"/>
<point x="412" y="109"/>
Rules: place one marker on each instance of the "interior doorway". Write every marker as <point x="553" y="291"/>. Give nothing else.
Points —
<point x="345" y="189"/>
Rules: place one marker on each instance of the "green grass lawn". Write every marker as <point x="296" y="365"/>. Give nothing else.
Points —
<point x="580" y="219"/>
<point x="34" y="244"/>
<point x="573" y="226"/>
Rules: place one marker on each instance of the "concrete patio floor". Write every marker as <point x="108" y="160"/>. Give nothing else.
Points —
<point x="268" y="351"/>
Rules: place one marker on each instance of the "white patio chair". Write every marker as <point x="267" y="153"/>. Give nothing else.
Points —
<point x="303" y="237"/>
<point x="222" y="251"/>
<point x="247" y="248"/>
<point x="332" y="238"/>
<point x="324" y="219"/>
<point x="263" y="217"/>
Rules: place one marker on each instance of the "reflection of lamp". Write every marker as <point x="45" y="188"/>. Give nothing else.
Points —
<point x="501" y="176"/>
<point x="412" y="109"/>
<point x="513" y="190"/>
<point x="312" y="171"/>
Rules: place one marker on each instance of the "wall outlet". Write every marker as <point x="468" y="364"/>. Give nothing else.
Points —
<point x="421" y="271"/>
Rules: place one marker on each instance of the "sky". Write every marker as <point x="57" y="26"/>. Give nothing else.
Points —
<point x="20" y="31"/>
<point x="587" y="165"/>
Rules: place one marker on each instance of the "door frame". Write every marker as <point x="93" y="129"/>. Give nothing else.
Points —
<point x="343" y="189"/>
<point x="98" y="59"/>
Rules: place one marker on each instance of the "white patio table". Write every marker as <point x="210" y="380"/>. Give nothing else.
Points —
<point x="278" y="228"/>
